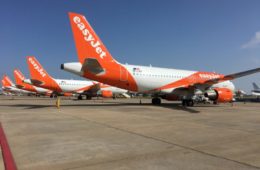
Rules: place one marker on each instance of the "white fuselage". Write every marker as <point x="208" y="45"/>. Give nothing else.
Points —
<point x="14" y="89"/>
<point x="41" y="90"/>
<point x="76" y="86"/>
<point x="150" y="78"/>
<point x="255" y="93"/>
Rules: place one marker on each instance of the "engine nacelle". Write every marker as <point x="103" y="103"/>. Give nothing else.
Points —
<point x="171" y="97"/>
<point x="67" y="94"/>
<point x="221" y="95"/>
<point x="106" y="93"/>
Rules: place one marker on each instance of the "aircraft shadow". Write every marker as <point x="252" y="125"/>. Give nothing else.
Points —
<point x="173" y="106"/>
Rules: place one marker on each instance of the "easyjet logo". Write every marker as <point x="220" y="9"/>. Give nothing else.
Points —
<point x="89" y="38"/>
<point x="209" y="76"/>
<point x="36" y="67"/>
<point x="19" y="75"/>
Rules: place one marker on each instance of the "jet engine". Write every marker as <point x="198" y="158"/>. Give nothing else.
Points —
<point x="106" y="93"/>
<point x="221" y="95"/>
<point x="67" y="94"/>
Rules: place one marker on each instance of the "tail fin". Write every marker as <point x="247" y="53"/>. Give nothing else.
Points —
<point x="255" y="86"/>
<point x="39" y="75"/>
<point x="88" y="44"/>
<point x="36" y="69"/>
<point x="8" y="81"/>
<point x="97" y="62"/>
<point x="4" y="82"/>
<point x="19" y="77"/>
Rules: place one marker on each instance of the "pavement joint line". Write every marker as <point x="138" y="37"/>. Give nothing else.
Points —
<point x="164" y="141"/>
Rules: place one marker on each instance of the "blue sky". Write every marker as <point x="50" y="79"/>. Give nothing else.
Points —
<point x="204" y="35"/>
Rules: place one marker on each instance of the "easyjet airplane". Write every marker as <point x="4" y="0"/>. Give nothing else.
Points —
<point x="96" y="63"/>
<point x="8" y="86"/>
<point x="40" y="78"/>
<point x="19" y="77"/>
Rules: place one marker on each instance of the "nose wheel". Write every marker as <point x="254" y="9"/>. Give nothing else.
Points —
<point x="187" y="103"/>
<point x="156" y="101"/>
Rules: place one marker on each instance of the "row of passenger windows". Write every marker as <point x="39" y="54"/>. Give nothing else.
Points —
<point x="158" y="75"/>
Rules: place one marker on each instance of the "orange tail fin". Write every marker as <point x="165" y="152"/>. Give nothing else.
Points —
<point x="36" y="70"/>
<point x="4" y="82"/>
<point x="97" y="62"/>
<point x="88" y="44"/>
<point x="19" y="77"/>
<point x="8" y="81"/>
<point x="40" y="76"/>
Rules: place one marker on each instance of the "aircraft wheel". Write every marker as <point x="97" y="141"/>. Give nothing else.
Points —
<point x="190" y="103"/>
<point x="184" y="103"/>
<point x="79" y="97"/>
<point x="156" y="101"/>
<point x="88" y="97"/>
<point x="187" y="103"/>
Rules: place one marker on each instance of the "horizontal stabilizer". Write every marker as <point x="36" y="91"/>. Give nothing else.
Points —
<point x="92" y="65"/>
<point x="33" y="82"/>
<point x="19" y="86"/>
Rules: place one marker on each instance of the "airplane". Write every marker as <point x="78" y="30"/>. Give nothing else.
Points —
<point x="40" y="78"/>
<point x="9" y="87"/>
<point x="256" y="91"/>
<point x="96" y="63"/>
<point x="240" y="93"/>
<point x="19" y="77"/>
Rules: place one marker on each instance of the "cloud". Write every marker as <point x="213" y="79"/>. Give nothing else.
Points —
<point x="254" y="42"/>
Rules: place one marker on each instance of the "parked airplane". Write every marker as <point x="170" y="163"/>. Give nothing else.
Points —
<point x="9" y="87"/>
<point x="240" y="93"/>
<point x="40" y="78"/>
<point x="19" y="77"/>
<point x="256" y="91"/>
<point x="96" y="63"/>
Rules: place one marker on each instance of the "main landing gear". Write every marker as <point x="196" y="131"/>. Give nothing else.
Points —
<point x="80" y="97"/>
<point x="53" y="95"/>
<point x="88" y="97"/>
<point x="187" y="102"/>
<point x="156" y="101"/>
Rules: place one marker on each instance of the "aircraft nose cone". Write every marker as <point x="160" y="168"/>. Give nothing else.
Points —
<point x="62" y="66"/>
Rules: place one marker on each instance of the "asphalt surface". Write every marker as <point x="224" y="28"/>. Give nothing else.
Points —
<point x="123" y="134"/>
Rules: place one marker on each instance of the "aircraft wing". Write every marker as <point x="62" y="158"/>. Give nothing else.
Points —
<point x="90" y="89"/>
<point x="202" y="79"/>
<point x="233" y="76"/>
